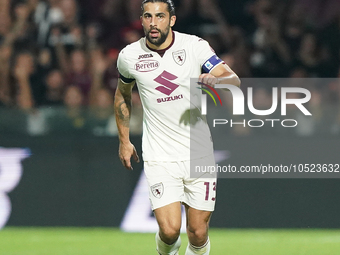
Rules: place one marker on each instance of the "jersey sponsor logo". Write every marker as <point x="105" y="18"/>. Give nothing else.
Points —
<point x="157" y="190"/>
<point x="165" y="79"/>
<point x="145" y="56"/>
<point x="168" y="99"/>
<point x="179" y="57"/>
<point x="146" y="65"/>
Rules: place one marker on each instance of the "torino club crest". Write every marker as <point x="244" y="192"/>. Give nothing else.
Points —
<point x="179" y="57"/>
<point x="157" y="190"/>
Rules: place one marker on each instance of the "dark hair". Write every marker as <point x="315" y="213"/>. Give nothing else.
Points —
<point x="170" y="3"/>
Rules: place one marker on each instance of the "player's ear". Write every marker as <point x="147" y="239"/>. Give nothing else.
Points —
<point x="172" y="20"/>
<point x="141" y="20"/>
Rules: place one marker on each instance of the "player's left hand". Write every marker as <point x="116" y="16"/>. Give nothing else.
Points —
<point x="208" y="79"/>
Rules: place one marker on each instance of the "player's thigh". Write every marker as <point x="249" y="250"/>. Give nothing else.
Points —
<point x="197" y="225"/>
<point x="169" y="218"/>
<point x="197" y="218"/>
<point x="165" y="183"/>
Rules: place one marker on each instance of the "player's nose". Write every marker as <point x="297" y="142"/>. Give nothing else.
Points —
<point x="153" y="22"/>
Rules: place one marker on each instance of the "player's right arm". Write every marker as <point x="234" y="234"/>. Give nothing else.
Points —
<point x="122" y="108"/>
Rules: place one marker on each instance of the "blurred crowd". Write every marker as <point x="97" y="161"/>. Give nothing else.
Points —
<point x="61" y="54"/>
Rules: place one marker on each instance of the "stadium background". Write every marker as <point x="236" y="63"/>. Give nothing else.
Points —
<point x="57" y="80"/>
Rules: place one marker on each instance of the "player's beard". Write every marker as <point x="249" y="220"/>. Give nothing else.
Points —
<point x="159" y="40"/>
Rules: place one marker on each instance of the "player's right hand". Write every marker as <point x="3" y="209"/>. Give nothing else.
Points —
<point x="126" y="151"/>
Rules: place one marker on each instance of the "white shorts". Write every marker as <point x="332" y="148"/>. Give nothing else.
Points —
<point x="170" y="182"/>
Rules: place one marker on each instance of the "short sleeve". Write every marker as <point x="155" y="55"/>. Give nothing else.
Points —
<point x="123" y="68"/>
<point x="206" y="56"/>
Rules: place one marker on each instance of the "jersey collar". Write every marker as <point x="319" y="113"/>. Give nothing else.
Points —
<point x="162" y="52"/>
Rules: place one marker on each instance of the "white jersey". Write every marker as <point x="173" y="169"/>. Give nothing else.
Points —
<point x="163" y="80"/>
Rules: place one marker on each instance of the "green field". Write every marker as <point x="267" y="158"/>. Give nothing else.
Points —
<point x="97" y="241"/>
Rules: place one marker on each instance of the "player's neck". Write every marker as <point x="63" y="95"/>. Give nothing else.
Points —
<point x="164" y="45"/>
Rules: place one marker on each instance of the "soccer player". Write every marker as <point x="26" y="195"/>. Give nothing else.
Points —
<point x="162" y="64"/>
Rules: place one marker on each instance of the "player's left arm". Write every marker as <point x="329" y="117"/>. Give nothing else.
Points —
<point x="221" y="74"/>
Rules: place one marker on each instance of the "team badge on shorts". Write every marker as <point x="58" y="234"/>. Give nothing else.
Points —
<point x="179" y="57"/>
<point x="157" y="190"/>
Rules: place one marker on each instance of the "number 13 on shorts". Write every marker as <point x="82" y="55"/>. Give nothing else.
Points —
<point x="210" y="191"/>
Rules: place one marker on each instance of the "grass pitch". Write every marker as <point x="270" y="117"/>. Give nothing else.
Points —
<point x="106" y="241"/>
